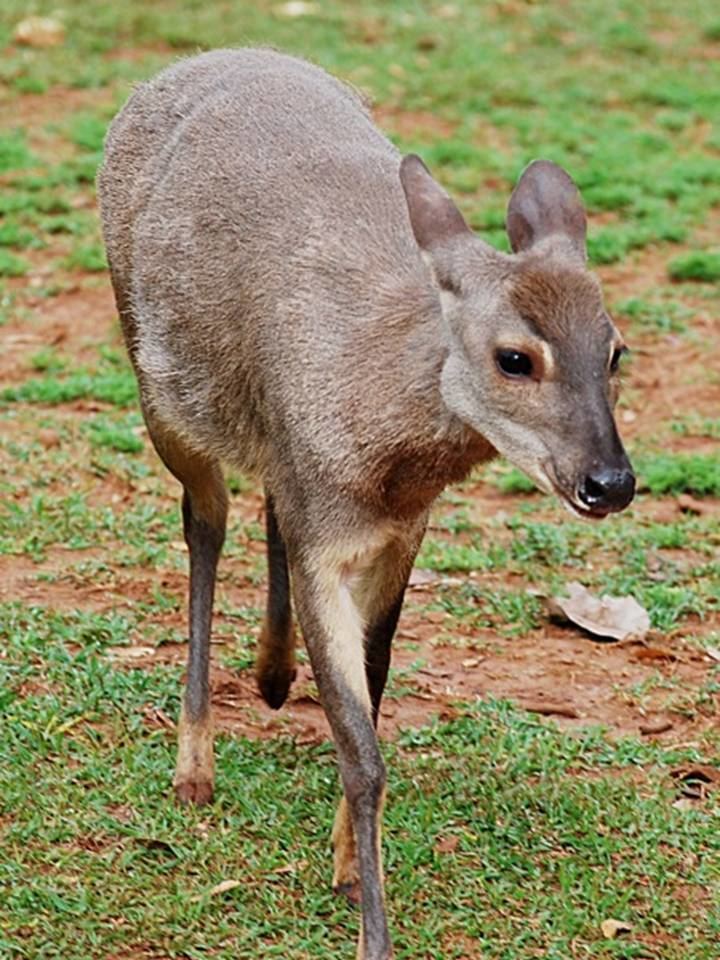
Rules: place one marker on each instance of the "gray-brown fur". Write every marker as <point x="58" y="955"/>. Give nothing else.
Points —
<point x="301" y="304"/>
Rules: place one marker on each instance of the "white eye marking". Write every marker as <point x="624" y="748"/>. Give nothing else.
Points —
<point x="548" y="360"/>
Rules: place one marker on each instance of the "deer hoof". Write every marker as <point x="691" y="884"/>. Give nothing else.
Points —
<point x="350" y="890"/>
<point x="194" y="792"/>
<point x="274" y="684"/>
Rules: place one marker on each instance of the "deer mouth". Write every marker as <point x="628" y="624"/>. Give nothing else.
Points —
<point x="587" y="513"/>
<point x="570" y="499"/>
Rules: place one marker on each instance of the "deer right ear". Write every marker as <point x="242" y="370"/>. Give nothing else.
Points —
<point x="433" y="216"/>
<point x="546" y="202"/>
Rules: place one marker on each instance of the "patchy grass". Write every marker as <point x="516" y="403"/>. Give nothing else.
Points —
<point x="573" y="829"/>
<point x="703" y="265"/>
<point x="679" y="473"/>
<point x="109" y="385"/>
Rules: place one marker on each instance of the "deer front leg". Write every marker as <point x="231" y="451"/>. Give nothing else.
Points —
<point x="334" y="633"/>
<point x="379" y="595"/>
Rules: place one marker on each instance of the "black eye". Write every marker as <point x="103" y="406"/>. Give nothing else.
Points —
<point x="615" y="359"/>
<point x="513" y="363"/>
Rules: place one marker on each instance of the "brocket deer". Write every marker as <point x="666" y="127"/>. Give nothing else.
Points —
<point x="304" y="304"/>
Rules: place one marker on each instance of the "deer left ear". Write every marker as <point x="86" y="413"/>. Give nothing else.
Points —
<point x="546" y="202"/>
<point x="433" y="216"/>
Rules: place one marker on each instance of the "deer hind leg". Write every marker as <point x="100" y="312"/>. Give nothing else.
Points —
<point x="204" y="510"/>
<point x="275" y="668"/>
<point x="380" y="596"/>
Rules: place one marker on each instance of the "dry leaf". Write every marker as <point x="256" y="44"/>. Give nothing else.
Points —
<point x="619" y="618"/>
<point x="713" y="653"/>
<point x="219" y="888"/>
<point x="440" y="672"/>
<point x="290" y="868"/>
<point x="310" y="736"/>
<point x="130" y="653"/>
<point x="548" y="708"/>
<point x="39" y="32"/>
<point x="223" y="887"/>
<point x="154" y="843"/>
<point x="422" y="578"/>
<point x="157" y="717"/>
<point x="653" y="653"/>
<point x="297" y="8"/>
<point x="688" y="504"/>
<point x="696" y="780"/>
<point x="658" y="725"/>
<point x="447" y="844"/>
<point x="614" y="928"/>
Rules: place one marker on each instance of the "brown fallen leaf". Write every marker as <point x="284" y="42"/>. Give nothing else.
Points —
<point x="154" y="843"/>
<point x="130" y="653"/>
<point x="548" y="708"/>
<point x="422" y="578"/>
<point x="310" y="736"/>
<point x="48" y="438"/>
<point x="618" y="618"/>
<point x="696" y="780"/>
<point x="293" y="867"/>
<point x="440" y="672"/>
<point x="223" y="887"/>
<point x="296" y="8"/>
<point x="658" y="725"/>
<point x="156" y="717"/>
<point x="713" y="653"/>
<point x="688" y="504"/>
<point x="653" y="653"/>
<point x="449" y="712"/>
<point x="614" y="928"/>
<point x="447" y="844"/>
<point x="39" y="32"/>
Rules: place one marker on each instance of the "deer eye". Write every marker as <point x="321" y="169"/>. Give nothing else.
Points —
<point x="513" y="363"/>
<point x="616" y="357"/>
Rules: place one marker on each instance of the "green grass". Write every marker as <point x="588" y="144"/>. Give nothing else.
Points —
<point x="697" y="426"/>
<point x="664" y="316"/>
<point x="563" y="830"/>
<point x="14" y="153"/>
<point x="681" y="473"/>
<point x="703" y="265"/>
<point x="11" y="265"/>
<point x="120" y="436"/>
<point x="89" y="257"/>
<point x="113" y="386"/>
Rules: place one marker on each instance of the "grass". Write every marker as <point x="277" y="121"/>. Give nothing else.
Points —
<point x="552" y="842"/>
<point x="702" y="265"/>
<point x="678" y="473"/>
<point x="109" y="385"/>
<point x="546" y="834"/>
<point x="664" y="316"/>
<point x="11" y="265"/>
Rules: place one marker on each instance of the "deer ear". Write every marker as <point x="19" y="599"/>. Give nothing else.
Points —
<point x="545" y="202"/>
<point x="433" y="216"/>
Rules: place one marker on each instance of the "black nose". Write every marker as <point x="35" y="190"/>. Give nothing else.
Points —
<point x="607" y="489"/>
